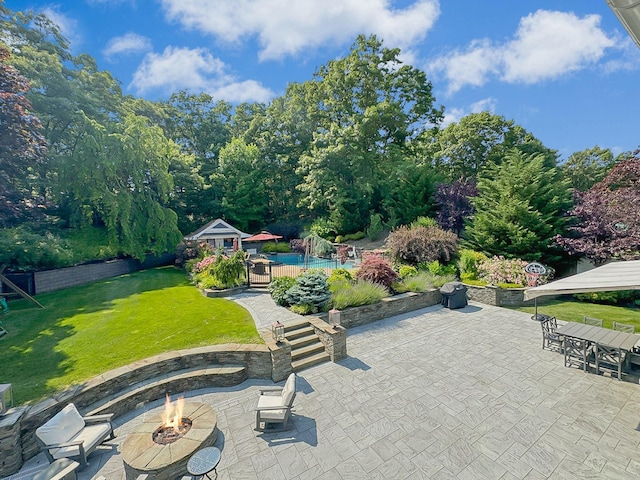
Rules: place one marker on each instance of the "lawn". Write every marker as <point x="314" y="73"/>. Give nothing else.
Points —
<point x="574" y="311"/>
<point x="87" y="330"/>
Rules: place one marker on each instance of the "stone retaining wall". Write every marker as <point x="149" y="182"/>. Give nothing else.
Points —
<point x="60" y="278"/>
<point x="17" y="427"/>
<point x="388" y="307"/>
<point x="502" y="297"/>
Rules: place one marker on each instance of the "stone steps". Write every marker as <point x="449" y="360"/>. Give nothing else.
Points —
<point x="173" y="383"/>
<point x="306" y="348"/>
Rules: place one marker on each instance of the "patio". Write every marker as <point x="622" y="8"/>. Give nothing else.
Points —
<point x="437" y="393"/>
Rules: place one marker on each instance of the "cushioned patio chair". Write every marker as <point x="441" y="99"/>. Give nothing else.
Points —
<point x="69" y="435"/>
<point x="274" y="406"/>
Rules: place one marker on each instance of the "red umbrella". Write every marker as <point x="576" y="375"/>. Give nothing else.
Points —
<point x="262" y="237"/>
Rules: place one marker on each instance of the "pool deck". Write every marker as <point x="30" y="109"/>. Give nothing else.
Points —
<point x="434" y="394"/>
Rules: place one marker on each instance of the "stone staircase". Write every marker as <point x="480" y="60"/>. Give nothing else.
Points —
<point x="306" y="348"/>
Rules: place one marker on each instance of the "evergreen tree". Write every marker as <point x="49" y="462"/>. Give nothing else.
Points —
<point x="520" y="207"/>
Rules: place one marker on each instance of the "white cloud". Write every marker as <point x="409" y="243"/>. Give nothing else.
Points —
<point x="127" y="44"/>
<point x="551" y="44"/>
<point x="287" y="27"/>
<point x="456" y="114"/>
<point x="194" y="69"/>
<point x="546" y="45"/>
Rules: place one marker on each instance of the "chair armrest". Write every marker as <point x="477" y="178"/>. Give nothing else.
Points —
<point x="104" y="418"/>
<point x="271" y="390"/>
<point x="276" y="407"/>
<point x="63" y="444"/>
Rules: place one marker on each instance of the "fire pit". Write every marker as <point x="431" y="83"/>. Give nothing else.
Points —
<point x="161" y="446"/>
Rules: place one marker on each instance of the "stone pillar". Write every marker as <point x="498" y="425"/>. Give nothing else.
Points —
<point x="280" y="360"/>
<point x="10" y="442"/>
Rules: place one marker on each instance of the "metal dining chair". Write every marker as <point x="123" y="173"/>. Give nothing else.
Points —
<point x="624" y="327"/>
<point x="592" y="321"/>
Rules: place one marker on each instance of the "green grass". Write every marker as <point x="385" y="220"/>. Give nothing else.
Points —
<point x="88" y="330"/>
<point x="574" y="311"/>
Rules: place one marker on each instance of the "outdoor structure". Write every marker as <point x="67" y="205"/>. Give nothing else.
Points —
<point x="219" y="234"/>
<point x="628" y="12"/>
<point x="607" y="278"/>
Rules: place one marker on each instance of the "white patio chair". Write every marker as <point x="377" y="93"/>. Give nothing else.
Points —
<point x="69" y="435"/>
<point x="274" y="406"/>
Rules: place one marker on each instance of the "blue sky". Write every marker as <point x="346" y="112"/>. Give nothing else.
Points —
<point x="565" y="70"/>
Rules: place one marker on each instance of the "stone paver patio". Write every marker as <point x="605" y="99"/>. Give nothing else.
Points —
<point x="434" y="394"/>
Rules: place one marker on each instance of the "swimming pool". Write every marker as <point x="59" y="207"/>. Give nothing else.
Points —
<point x="298" y="260"/>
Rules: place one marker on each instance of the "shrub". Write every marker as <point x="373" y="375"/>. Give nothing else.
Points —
<point x="343" y="254"/>
<point x="303" y="309"/>
<point x="339" y="239"/>
<point x="311" y="289"/>
<point x="340" y="274"/>
<point x="362" y="292"/>
<point x="323" y="228"/>
<point x="220" y="271"/>
<point x="377" y="269"/>
<point x="188" y="250"/>
<point x="422" y="282"/>
<point x="424" y="222"/>
<point x="354" y="236"/>
<point x="441" y="270"/>
<point x="375" y="226"/>
<point x="278" y="289"/>
<point x="407" y="271"/>
<point x="498" y="270"/>
<point x="468" y="263"/>
<point x="297" y="245"/>
<point x="276" y="247"/>
<point x="610" y="298"/>
<point x="422" y="244"/>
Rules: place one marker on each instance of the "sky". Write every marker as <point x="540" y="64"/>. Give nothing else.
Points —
<point x="565" y="70"/>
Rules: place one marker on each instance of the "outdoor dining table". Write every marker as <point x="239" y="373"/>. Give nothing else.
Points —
<point x="605" y="338"/>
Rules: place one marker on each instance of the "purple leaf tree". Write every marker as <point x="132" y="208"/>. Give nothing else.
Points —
<point x="453" y="201"/>
<point x="607" y="216"/>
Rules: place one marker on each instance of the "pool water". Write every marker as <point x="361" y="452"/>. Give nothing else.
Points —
<point x="298" y="260"/>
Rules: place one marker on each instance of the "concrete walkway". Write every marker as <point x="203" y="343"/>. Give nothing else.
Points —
<point x="435" y="394"/>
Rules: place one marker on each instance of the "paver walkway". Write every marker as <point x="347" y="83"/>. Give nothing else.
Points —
<point x="438" y="394"/>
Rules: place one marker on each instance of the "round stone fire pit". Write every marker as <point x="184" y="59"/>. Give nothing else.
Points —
<point x="141" y="455"/>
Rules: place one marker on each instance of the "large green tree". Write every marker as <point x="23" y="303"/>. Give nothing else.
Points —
<point x="367" y="107"/>
<point x="22" y="146"/>
<point x="520" y="207"/>
<point x="463" y="149"/>
<point x="586" y="168"/>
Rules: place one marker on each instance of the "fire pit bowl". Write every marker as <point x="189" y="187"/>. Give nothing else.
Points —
<point x="141" y="455"/>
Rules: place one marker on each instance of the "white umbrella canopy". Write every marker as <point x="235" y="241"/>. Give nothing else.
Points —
<point x="607" y="278"/>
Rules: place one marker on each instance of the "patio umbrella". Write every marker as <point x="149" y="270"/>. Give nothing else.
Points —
<point x="263" y="236"/>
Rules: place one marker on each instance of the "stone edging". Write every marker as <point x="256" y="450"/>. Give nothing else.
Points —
<point x="17" y="427"/>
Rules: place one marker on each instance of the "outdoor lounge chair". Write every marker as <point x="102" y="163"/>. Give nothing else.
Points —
<point x="274" y="406"/>
<point x="69" y="435"/>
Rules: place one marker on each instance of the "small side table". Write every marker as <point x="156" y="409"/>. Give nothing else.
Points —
<point x="204" y="462"/>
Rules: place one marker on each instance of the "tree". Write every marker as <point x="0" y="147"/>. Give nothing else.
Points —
<point x="463" y="149"/>
<point x="453" y="201"/>
<point x="367" y="107"/>
<point x="244" y="200"/>
<point x="586" y="168"/>
<point x="520" y="207"/>
<point x="607" y="216"/>
<point x="21" y="145"/>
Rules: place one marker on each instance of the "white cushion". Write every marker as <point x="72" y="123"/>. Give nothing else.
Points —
<point x="289" y="389"/>
<point x="270" y="401"/>
<point x="90" y="436"/>
<point x="64" y="425"/>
